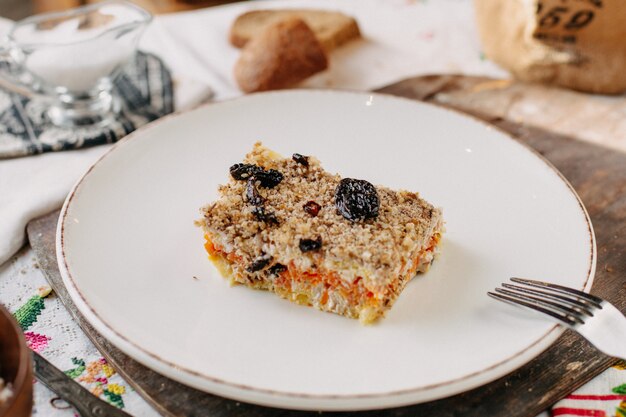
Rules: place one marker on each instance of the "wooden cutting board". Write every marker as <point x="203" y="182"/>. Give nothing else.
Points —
<point x="599" y="176"/>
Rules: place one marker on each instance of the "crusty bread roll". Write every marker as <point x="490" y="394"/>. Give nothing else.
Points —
<point x="332" y="29"/>
<point x="285" y="53"/>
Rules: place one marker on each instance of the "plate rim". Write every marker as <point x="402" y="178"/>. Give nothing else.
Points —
<point x="471" y="380"/>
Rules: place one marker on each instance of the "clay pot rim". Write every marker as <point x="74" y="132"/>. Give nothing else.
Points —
<point x="23" y="379"/>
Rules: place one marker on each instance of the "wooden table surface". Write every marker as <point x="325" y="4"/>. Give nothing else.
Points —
<point x="596" y="119"/>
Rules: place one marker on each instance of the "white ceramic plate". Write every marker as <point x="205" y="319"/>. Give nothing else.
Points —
<point x="135" y="266"/>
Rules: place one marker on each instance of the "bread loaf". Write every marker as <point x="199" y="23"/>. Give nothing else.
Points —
<point x="283" y="54"/>
<point x="332" y="29"/>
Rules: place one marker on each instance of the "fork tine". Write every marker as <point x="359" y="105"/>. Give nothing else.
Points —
<point x="570" y="312"/>
<point x="516" y="301"/>
<point x="581" y="306"/>
<point x="592" y="299"/>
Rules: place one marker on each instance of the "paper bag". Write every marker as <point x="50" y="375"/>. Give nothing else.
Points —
<point x="579" y="44"/>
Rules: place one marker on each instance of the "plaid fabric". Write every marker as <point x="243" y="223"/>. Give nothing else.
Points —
<point x="146" y="91"/>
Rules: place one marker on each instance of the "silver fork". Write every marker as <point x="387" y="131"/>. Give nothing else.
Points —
<point x="595" y="319"/>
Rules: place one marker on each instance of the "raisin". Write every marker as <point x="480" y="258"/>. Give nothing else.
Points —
<point x="270" y="178"/>
<point x="312" y="208"/>
<point x="301" y="159"/>
<point x="277" y="269"/>
<point x="252" y="194"/>
<point x="356" y="199"/>
<point x="266" y="216"/>
<point x="259" y="263"/>
<point x="308" y="245"/>
<point x="244" y="171"/>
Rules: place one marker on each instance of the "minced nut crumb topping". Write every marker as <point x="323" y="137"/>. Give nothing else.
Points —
<point x="375" y="249"/>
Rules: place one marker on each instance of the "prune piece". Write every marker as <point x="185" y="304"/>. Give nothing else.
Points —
<point x="259" y="263"/>
<point x="264" y="215"/>
<point x="356" y="199"/>
<point x="242" y="172"/>
<point x="270" y="178"/>
<point x="252" y="194"/>
<point x="308" y="245"/>
<point x="277" y="269"/>
<point x="312" y="208"/>
<point x="301" y="159"/>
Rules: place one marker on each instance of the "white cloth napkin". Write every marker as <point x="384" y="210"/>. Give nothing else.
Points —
<point x="401" y="38"/>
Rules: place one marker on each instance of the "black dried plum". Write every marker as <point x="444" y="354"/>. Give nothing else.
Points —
<point x="242" y="172"/>
<point x="252" y="194"/>
<point x="270" y="178"/>
<point x="356" y="199"/>
<point x="259" y="263"/>
<point x="264" y="215"/>
<point x="312" y="208"/>
<point x="301" y="159"/>
<point x="308" y="245"/>
<point x="277" y="269"/>
<point x="267" y="178"/>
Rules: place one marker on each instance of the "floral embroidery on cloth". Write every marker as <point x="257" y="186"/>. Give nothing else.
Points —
<point x="593" y="400"/>
<point x="96" y="376"/>
<point x="50" y="331"/>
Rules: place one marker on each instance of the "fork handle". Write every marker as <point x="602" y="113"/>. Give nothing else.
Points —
<point x="607" y="331"/>
<point x="87" y="404"/>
